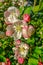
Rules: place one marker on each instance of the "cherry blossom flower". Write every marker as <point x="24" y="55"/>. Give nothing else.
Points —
<point x="14" y="30"/>
<point x="18" y="29"/>
<point x="21" y="50"/>
<point x="11" y="15"/>
<point x="27" y="31"/>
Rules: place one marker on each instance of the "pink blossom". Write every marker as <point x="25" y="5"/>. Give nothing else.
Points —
<point x="8" y="33"/>
<point x="24" y="32"/>
<point x="26" y="17"/>
<point x="20" y="60"/>
<point x="18" y="42"/>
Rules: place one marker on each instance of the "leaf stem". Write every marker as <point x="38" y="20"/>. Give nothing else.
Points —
<point x="35" y="2"/>
<point x="40" y="2"/>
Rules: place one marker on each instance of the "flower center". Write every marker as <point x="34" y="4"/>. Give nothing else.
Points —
<point x="22" y="49"/>
<point x="18" y="28"/>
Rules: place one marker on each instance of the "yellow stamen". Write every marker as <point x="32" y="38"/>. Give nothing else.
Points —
<point x="22" y="49"/>
<point x="18" y="28"/>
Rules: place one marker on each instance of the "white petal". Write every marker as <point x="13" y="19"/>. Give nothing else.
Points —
<point x="14" y="49"/>
<point x="17" y="64"/>
<point x="12" y="19"/>
<point x="15" y="57"/>
<point x="15" y="10"/>
<point x="19" y="34"/>
<point x="11" y="8"/>
<point x="26" y="46"/>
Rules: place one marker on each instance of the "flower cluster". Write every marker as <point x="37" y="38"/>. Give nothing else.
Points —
<point x="18" y="28"/>
<point x="20" y="51"/>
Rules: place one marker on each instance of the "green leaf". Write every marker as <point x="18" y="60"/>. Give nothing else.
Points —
<point x="42" y="57"/>
<point x="1" y="4"/>
<point x="35" y="55"/>
<point x="28" y="10"/>
<point x="41" y="6"/>
<point x="2" y="58"/>
<point x="32" y="61"/>
<point x="21" y="9"/>
<point x="37" y="50"/>
<point x="0" y="25"/>
<point x="31" y="40"/>
<point x="35" y="9"/>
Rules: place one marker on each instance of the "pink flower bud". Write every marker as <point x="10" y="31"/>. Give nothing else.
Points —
<point x="7" y="61"/>
<point x="8" y="33"/>
<point x="20" y="60"/>
<point x="18" y="42"/>
<point x="26" y="17"/>
<point x="40" y="63"/>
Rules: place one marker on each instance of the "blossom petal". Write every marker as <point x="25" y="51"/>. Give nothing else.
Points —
<point x="24" y="32"/>
<point x="6" y="13"/>
<point x="31" y="30"/>
<point x="8" y="33"/>
<point x="21" y="60"/>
